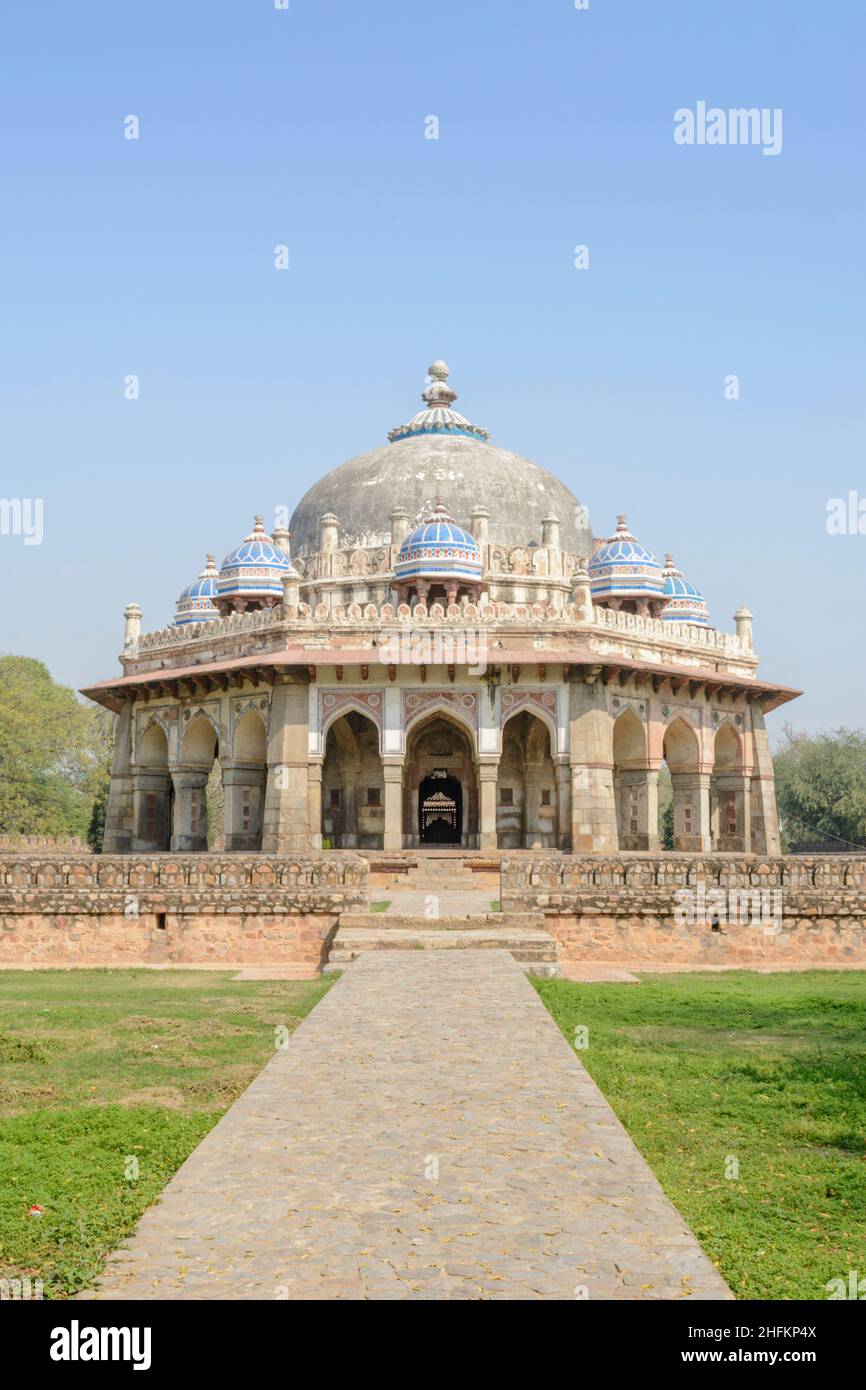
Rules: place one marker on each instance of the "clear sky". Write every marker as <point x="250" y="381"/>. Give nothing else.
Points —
<point x="306" y="127"/>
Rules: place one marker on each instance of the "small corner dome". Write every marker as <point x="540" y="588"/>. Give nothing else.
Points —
<point x="683" y="602"/>
<point x="439" y="549"/>
<point x="255" y="568"/>
<point x="623" y="568"/>
<point x="196" y="603"/>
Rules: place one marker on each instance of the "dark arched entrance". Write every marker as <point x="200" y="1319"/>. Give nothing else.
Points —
<point x="440" y="810"/>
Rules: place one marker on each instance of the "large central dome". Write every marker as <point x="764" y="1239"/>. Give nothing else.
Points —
<point x="440" y="454"/>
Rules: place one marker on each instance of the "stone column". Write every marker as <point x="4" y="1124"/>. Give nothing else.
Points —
<point x="117" y="838"/>
<point x="733" y="788"/>
<point x="151" y="800"/>
<point x="638" y="807"/>
<point x="531" y="806"/>
<point x="243" y="784"/>
<point x="314" y="802"/>
<point x="593" y="805"/>
<point x="488" y="771"/>
<point x="285" y="827"/>
<point x="349" y="789"/>
<point x="392" y="771"/>
<point x="562" y="772"/>
<point x="189" y="828"/>
<point x="692" y="811"/>
<point x="766" y="838"/>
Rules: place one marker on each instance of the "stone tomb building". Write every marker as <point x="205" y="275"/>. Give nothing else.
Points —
<point x="438" y="652"/>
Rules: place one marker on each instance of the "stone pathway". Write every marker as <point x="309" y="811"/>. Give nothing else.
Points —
<point x="428" y="1134"/>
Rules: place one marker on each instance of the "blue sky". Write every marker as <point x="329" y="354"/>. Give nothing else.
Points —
<point x="306" y="127"/>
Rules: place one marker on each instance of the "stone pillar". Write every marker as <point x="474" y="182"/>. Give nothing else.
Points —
<point x="189" y="827"/>
<point x="590" y="745"/>
<point x="131" y="629"/>
<point x="562" y="772"/>
<point x="692" y="811"/>
<point x="349" y="798"/>
<point x="117" y="838"/>
<point x="488" y="771"/>
<point x="243" y="784"/>
<point x="766" y="838"/>
<point x="733" y="834"/>
<point x="638" y="808"/>
<point x="314" y="802"/>
<point x="151" y="803"/>
<point x="285" y="827"/>
<point x="531" y="806"/>
<point x="393" y="774"/>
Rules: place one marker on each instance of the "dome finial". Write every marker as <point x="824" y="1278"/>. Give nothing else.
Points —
<point x="437" y="417"/>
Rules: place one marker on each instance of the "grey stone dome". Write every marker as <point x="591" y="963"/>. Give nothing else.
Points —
<point x="440" y="455"/>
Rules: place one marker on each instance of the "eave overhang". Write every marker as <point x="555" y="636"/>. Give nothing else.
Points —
<point x="263" y="668"/>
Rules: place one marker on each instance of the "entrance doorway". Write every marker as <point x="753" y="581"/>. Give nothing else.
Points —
<point x="440" y="810"/>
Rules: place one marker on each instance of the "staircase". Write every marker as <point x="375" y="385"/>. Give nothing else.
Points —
<point x="521" y="933"/>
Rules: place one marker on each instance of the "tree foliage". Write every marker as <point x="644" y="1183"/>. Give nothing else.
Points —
<point x="54" y="753"/>
<point x="821" y="786"/>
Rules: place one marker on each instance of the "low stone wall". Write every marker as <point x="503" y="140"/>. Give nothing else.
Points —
<point x="724" y="909"/>
<point x="175" y="909"/>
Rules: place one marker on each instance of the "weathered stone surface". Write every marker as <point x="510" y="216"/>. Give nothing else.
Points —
<point x="626" y="908"/>
<point x="428" y="1134"/>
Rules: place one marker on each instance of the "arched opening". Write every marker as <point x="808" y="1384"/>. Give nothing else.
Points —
<point x="635" y="785"/>
<point x="353" y="785"/>
<point x="439" y="754"/>
<point x="198" y="750"/>
<point x="526" y="799"/>
<point x="243" y="784"/>
<point x="440" y="809"/>
<point x="152" y="792"/>
<point x="730" y="793"/>
<point x="689" y="795"/>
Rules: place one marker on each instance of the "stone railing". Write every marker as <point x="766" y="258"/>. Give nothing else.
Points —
<point x="691" y="633"/>
<point x="47" y="844"/>
<point x="374" y="616"/>
<point x="131" y="884"/>
<point x="573" y="883"/>
<point x="264" y="618"/>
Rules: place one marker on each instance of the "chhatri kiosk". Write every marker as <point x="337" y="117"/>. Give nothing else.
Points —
<point x="437" y="651"/>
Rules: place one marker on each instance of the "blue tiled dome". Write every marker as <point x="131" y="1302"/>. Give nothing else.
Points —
<point x="255" y="569"/>
<point x="622" y="568"/>
<point x="439" y="549"/>
<point x="683" y="603"/>
<point x="196" y="603"/>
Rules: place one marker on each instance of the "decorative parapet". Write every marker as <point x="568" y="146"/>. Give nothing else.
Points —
<point x="823" y="885"/>
<point x="131" y="885"/>
<point x="558" y="618"/>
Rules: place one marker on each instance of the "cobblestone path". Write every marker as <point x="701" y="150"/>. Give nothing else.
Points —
<point x="428" y="1134"/>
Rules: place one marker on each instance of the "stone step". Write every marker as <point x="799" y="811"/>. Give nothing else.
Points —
<point x="400" y="921"/>
<point x="535" y="950"/>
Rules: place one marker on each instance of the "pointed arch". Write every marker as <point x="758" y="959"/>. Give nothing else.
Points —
<point x="353" y="780"/>
<point x="153" y="746"/>
<point x="681" y="747"/>
<point x="199" y="743"/>
<point x="250" y="737"/>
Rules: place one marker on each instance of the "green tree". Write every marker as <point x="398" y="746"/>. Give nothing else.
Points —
<point x="821" y="786"/>
<point x="54" y="752"/>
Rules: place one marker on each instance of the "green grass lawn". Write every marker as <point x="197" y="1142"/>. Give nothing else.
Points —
<point x="108" y="1079"/>
<point x="768" y="1070"/>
